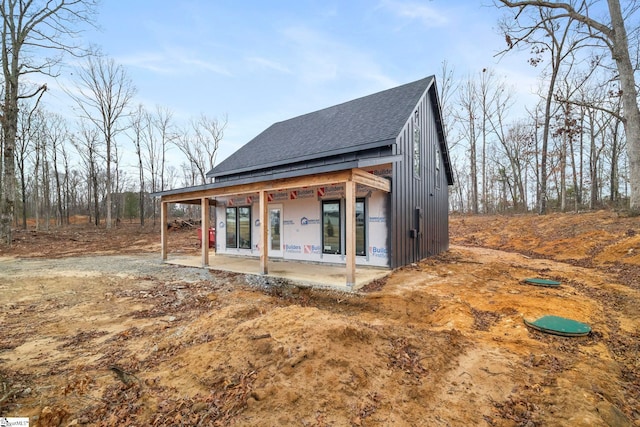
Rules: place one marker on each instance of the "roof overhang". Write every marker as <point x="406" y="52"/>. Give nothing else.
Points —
<point x="442" y="137"/>
<point x="191" y="195"/>
<point x="213" y="174"/>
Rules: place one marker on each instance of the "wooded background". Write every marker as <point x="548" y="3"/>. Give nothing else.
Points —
<point x="575" y="148"/>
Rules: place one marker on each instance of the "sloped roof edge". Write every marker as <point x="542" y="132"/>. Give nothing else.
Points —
<point x="346" y="127"/>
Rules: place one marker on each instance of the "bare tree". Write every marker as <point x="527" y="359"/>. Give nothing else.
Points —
<point x="489" y="92"/>
<point x="163" y="124"/>
<point x="66" y="183"/>
<point x="612" y="36"/>
<point x="87" y="146"/>
<point x="446" y="88"/>
<point x="56" y="131"/>
<point x="200" y="144"/>
<point x="467" y="117"/>
<point x="102" y="95"/>
<point x="544" y="35"/>
<point x="514" y="139"/>
<point x="41" y="173"/>
<point x="29" y="28"/>
<point x="137" y="128"/>
<point x="569" y="127"/>
<point x="23" y="149"/>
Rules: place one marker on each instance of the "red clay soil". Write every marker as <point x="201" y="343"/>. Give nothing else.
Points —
<point x="94" y="330"/>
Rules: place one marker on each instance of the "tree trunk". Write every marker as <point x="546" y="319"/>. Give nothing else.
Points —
<point x="593" y="173"/>
<point x="67" y="185"/>
<point x="580" y="190"/>
<point x="9" y="128"/>
<point x="613" y="178"/>
<point x="108" y="198"/>
<point x="36" y="186"/>
<point x="574" y="175"/>
<point x="563" y="174"/>
<point x="23" y="188"/>
<point x="620" y="54"/>
<point x="59" y="211"/>
<point x="542" y="202"/>
<point x="485" y="201"/>
<point x="46" y="188"/>
<point x="474" y="168"/>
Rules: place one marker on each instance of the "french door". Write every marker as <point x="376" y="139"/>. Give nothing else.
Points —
<point x="275" y="231"/>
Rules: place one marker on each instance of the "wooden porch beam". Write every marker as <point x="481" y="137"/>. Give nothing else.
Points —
<point x="204" y="236"/>
<point x="264" y="233"/>
<point x="273" y="185"/>
<point x="350" y="233"/>
<point x="198" y="201"/>
<point x="370" y="180"/>
<point x="358" y="175"/>
<point x="164" y="207"/>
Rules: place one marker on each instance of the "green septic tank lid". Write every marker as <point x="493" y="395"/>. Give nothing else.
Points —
<point x="541" y="282"/>
<point x="559" y="326"/>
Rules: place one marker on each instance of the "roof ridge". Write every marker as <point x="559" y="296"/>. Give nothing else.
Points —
<point x="355" y="99"/>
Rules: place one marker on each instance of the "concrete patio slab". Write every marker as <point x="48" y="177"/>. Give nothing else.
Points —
<point x="297" y="273"/>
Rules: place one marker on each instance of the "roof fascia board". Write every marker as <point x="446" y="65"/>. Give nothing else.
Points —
<point x="444" y="148"/>
<point x="376" y="161"/>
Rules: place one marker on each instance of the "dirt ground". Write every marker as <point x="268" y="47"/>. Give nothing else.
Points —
<point x="95" y="330"/>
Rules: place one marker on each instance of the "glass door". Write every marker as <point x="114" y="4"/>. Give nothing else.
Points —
<point x="275" y="231"/>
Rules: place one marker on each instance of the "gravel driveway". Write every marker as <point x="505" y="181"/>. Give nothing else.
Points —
<point x="143" y="265"/>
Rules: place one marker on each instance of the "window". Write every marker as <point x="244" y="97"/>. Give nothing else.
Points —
<point x="416" y="152"/>
<point x="231" y="228"/>
<point x="244" y="227"/>
<point x="238" y="233"/>
<point x="331" y="227"/>
<point x="274" y="228"/>
<point x="361" y="239"/>
<point x="438" y="167"/>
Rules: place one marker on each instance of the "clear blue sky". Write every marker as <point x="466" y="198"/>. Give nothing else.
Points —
<point x="260" y="62"/>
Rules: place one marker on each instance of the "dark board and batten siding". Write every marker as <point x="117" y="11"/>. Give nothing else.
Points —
<point x="417" y="234"/>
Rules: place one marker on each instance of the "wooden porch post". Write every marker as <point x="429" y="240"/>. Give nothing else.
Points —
<point x="350" y="236"/>
<point x="163" y="229"/>
<point x="205" y="231"/>
<point x="264" y="233"/>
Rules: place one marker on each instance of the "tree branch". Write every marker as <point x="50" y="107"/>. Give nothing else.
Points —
<point x="571" y="12"/>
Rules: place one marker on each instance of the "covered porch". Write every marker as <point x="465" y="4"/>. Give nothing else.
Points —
<point x="319" y="274"/>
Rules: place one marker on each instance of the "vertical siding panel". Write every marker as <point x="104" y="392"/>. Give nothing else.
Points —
<point x="409" y="193"/>
<point x="433" y="197"/>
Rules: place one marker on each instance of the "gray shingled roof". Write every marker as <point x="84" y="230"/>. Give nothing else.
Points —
<point x="363" y="123"/>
